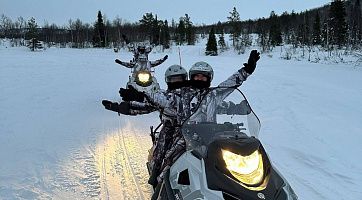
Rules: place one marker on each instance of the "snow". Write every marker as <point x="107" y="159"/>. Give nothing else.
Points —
<point x="58" y="142"/>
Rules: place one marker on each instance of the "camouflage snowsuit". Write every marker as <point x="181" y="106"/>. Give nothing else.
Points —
<point x="166" y="134"/>
<point x="183" y="104"/>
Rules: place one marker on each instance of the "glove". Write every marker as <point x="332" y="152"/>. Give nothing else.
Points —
<point x="123" y="107"/>
<point x="131" y="94"/>
<point x="165" y="58"/>
<point x="251" y="65"/>
<point x="107" y="104"/>
<point x="118" y="61"/>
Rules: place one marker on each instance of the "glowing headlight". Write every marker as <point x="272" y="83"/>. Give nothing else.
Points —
<point x="143" y="77"/>
<point x="247" y="169"/>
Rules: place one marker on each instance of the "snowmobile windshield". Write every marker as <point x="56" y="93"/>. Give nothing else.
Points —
<point x="222" y="113"/>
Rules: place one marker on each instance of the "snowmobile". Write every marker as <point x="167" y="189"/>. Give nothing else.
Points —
<point x="142" y="77"/>
<point x="223" y="159"/>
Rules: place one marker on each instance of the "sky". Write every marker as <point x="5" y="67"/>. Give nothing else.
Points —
<point x="200" y="11"/>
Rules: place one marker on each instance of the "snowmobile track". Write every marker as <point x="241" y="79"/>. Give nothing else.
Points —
<point x="135" y="179"/>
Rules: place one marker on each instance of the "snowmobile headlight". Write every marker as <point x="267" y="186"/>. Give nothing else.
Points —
<point x="249" y="169"/>
<point x="144" y="77"/>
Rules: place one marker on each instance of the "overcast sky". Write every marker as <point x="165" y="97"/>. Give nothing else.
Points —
<point x="200" y="11"/>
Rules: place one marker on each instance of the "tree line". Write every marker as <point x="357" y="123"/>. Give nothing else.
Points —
<point x="334" y="26"/>
<point x="102" y="33"/>
<point x="337" y="25"/>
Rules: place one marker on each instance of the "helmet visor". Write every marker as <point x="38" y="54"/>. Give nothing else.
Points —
<point x="175" y="78"/>
<point x="203" y="73"/>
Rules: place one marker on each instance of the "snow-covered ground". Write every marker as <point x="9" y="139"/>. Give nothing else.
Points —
<point x="58" y="142"/>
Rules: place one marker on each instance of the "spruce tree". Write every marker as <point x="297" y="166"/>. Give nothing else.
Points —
<point x="356" y="24"/>
<point x="32" y="35"/>
<point x="221" y="41"/>
<point x="156" y="31"/>
<point x="275" y="34"/>
<point x="99" y="39"/>
<point x="181" y="32"/>
<point x="211" y="46"/>
<point x="165" y="35"/>
<point x="189" y="30"/>
<point x="337" y="23"/>
<point x="234" y="21"/>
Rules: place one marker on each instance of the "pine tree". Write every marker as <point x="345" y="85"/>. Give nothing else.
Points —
<point x="317" y="30"/>
<point x="211" y="46"/>
<point x="234" y="21"/>
<point x="32" y="35"/>
<point x="99" y="39"/>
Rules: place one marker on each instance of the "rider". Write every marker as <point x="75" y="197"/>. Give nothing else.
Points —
<point x="140" y="60"/>
<point x="176" y="78"/>
<point x="201" y="75"/>
<point x="182" y="105"/>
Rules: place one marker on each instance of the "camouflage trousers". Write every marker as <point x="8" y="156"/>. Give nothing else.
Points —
<point x="176" y="148"/>
<point x="169" y="146"/>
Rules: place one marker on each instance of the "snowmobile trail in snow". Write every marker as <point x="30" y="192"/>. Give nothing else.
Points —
<point x="121" y="159"/>
<point x="129" y="165"/>
<point x="114" y="167"/>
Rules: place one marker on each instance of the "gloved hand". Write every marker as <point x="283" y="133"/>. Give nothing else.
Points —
<point x="251" y="65"/>
<point x="118" y="61"/>
<point x="123" y="107"/>
<point x="165" y="58"/>
<point x="131" y="94"/>
<point x="107" y="104"/>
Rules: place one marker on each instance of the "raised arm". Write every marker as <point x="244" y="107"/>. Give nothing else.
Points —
<point x="126" y="64"/>
<point x="159" y="61"/>
<point x="238" y="77"/>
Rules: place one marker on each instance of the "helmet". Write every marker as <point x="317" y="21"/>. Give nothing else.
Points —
<point x="175" y="70"/>
<point x="141" y="49"/>
<point x="202" y="68"/>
